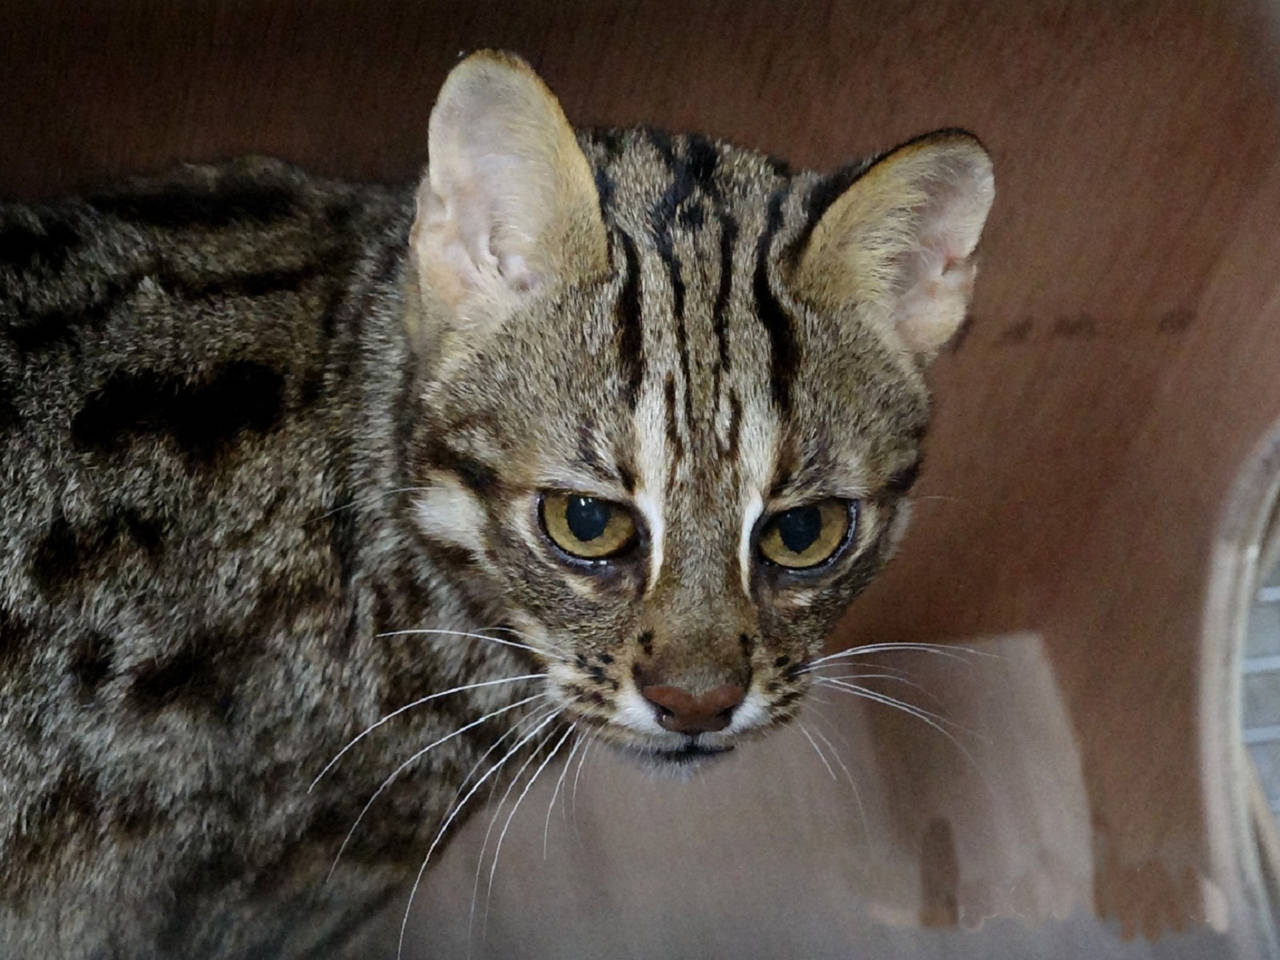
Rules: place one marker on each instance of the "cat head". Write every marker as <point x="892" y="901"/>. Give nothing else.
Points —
<point x="673" y="393"/>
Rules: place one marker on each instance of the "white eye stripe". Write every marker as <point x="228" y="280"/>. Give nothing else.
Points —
<point x="652" y="462"/>
<point x="755" y="506"/>
<point x="448" y="511"/>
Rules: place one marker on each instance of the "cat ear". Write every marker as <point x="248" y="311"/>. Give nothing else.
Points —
<point x="902" y="236"/>
<point x="508" y="202"/>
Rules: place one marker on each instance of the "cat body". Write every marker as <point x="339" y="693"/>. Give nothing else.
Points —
<point x="623" y="414"/>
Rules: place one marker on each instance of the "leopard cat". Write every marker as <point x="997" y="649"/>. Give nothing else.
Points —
<point x="605" y="428"/>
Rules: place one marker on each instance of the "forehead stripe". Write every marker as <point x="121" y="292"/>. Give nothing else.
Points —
<point x="630" y="331"/>
<point x="775" y="319"/>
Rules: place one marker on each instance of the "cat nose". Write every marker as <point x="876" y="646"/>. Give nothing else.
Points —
<point x="682" y="712"/>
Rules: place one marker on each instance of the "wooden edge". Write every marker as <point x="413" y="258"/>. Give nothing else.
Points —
<point x="1240" y="854"/>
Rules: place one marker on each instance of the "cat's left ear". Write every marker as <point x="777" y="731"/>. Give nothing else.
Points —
<point x="901" y="239"/>
<point x="508" y="203"/>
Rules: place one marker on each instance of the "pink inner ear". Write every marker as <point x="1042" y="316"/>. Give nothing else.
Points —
<point x="515" y="271"/>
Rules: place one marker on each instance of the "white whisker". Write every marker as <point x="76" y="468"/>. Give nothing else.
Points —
<point x="813" y="743"/>
<point x="892" y="702"/>
<point x="364" y="500"/>
<point x="417" y="882"/>
<point x="857" y="794"/>
<point x="578" y="776"/>
<point x="919" y="713"/>
<point x="409" y="706"/>
<point x="497" y="850"/>
<point x="878" y="676"/>
<point x="952" y="651"/>
<point x="497" y="812"/>
<point x="404" y="766"/>
<point x="568" y="762"/>
<point x="477" y="636"/>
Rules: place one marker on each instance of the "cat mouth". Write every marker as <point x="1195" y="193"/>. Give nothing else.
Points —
<point x="689" y="752"/>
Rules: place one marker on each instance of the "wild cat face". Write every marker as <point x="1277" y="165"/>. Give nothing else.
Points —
<point x="674" y="394"/>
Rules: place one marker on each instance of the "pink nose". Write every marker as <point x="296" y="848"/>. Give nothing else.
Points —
<point x="682" y="712"/>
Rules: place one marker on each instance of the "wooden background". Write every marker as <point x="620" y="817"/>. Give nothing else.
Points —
<point x="1123" y="361"/>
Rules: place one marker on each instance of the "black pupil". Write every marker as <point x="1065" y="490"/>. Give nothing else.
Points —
<point x="799" y="528"/>
<point x="586" y="517"/>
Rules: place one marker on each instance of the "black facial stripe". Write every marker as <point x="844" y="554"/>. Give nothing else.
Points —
<point x="673" y="426"/>
<point x="477" y="476"/>
<point x="720" y="312"/>
<point x="775" y="319"/>
<point x="630" y="331"/>
<point x="735" y="425"/>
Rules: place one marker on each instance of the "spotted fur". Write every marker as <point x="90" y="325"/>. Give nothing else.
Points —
<point x="254" y="423"/>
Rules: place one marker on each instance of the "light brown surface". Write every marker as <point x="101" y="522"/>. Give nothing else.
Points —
<point x="1123" y="362"/>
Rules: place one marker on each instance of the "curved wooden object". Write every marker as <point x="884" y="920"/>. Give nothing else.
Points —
<point x="1123" y="361"/>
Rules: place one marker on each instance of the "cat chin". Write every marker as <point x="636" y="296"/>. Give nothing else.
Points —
<point x="676" y="764"/>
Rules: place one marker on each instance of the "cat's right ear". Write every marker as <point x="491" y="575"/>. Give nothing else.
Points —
<point x="900" y="240"/>
<point x="508" y="203"/>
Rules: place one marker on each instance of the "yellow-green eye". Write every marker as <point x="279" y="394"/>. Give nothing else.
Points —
<point x="806" y="536"/>
<point x="587" y="527"/>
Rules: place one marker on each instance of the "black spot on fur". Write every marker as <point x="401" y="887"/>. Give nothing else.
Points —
<point x="235" y="199"/>
<point x="16" y="638"/>
<point x="630" y="331"/>
<point x="67" y="554"/>
<point x="612" y="141"/>
<point x="65" y="813"/>
<point x="604" y="190"/>
<point x="702" y="158"/>
<point x="91" y="660"/>
<point x="692" y="216"/>
<point x="9" y="417"/>
<point x="257" y="284"/>
<point x="192" y="678"/>
<point x="597" y="674"/>
<point x="744" y="642"/>
<point x="215" y="871"/>
<point x="605" y="658"/>
<point x="201" y="418"/>
<point x="646" y="642"/>
<point x="53" y="326"/>
<point x="163" y="681"/>
<point x="146" y="533"/>
<point x="23" y="247"/>
<point x="57" y="559"/>
<point x="775" y="319"/>
<point x="782" y="661"/>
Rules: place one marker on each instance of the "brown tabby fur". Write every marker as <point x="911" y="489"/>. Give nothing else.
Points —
<point x="253" y="422"/>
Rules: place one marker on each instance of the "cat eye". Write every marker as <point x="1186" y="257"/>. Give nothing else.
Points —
<point x="808" y="536"/>
<point x="586" y="527"/>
